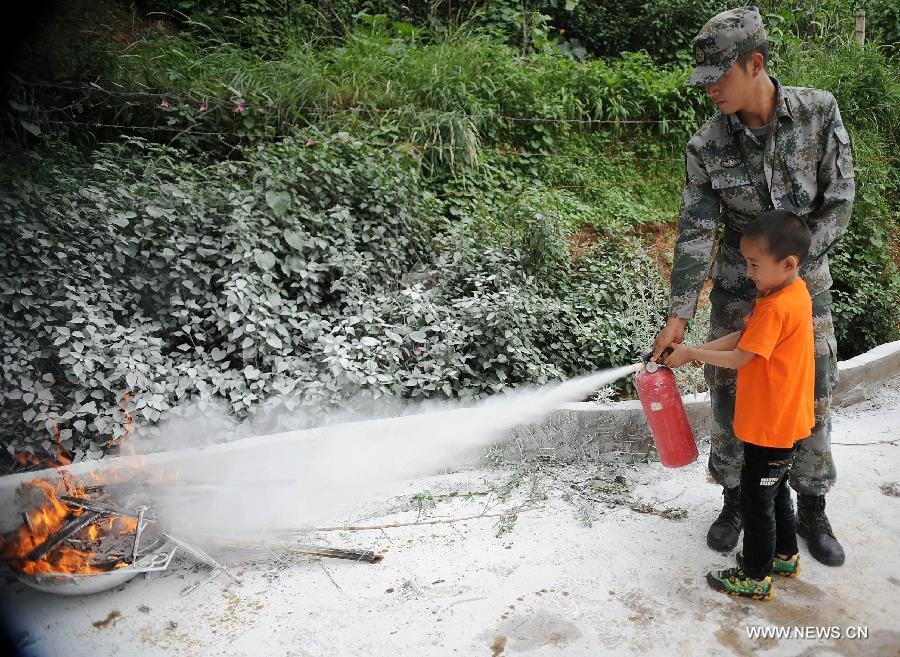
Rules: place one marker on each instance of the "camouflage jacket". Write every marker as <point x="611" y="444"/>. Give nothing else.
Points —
<point x="805" y="165"/>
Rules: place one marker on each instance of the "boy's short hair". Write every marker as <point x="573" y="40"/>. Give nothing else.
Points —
<point x="784" y="233"/>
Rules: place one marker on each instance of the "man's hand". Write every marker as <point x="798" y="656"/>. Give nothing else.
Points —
<point x="672" y="333"/>
<point x="681" y="354"/>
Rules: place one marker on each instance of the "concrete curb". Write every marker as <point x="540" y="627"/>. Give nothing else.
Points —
<point x="619" y="430"/>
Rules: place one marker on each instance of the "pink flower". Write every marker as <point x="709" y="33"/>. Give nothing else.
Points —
<point x="418" y="351"/>
<point x="310" y="142"/>
<point x="164" y="103"/>
<point x="240" y="108"/>
<point x="203" y="107"/>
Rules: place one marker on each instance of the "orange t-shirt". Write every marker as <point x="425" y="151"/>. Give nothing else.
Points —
<point x="776" y="388"/>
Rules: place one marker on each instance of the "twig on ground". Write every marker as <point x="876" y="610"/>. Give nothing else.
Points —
<point x="890" y="441"/>
<point x="634" y="505"/>
<point x="186" y="591"/>
<point x="204" y="557"/>
<point x="322" y="565"/>
<point x="312" y="550"/>
<point x="459" y="602"/>
<point x="432" y="521"/>
<point x="674" y="498"/>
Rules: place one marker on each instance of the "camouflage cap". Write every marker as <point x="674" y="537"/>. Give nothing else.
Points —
<point x="721" y="40"/>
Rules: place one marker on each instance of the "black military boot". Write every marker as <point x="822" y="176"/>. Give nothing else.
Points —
<point x="813" y="525"/>
<point x="723" y="535"/>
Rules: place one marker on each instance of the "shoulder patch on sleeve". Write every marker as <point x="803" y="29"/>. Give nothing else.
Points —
<point x="842" y="135"/>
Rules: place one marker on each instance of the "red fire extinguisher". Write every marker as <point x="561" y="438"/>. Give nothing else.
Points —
<point x="665" y="415"/>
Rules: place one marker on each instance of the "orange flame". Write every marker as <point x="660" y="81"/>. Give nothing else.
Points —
<point x="47" y="520"/>
<point x="123" y="404"/>
<point x="54" y="514"/>
<point x="63" y="455"/>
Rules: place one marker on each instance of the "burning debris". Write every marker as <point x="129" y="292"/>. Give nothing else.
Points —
<point x="69" y="532"/>
<point x="73" y="540"/>
<point x="77" y="539"/>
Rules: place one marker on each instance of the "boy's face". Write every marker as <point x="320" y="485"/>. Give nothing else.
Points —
<point x="762" y="267"/>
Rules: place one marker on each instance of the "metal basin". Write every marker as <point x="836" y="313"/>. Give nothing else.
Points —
<point x="85" y="583"/>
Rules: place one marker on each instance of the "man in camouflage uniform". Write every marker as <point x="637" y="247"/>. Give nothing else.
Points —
<point x="768" y="147"/>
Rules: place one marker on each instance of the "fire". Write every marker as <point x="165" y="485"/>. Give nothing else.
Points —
<point x="46" y="521"/>
<point x="55" y="514"/>
<point x="63" y="456"/>
<point x="128" y="421"/>
<point x="118" y="525"/>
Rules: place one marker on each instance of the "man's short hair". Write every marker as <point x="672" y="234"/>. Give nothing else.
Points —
<point x="784" y="233"/>
<point x="763" y="49"/>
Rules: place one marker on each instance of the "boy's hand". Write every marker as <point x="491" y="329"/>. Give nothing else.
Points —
<point x="681" y="354"/>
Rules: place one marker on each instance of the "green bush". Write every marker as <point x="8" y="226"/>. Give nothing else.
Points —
<point x="167" y="276"/>
<point x="149" y="277"/>
<point x="659" y="28"/>
<point x="864" y="263"/>
<point x="864" y="266"/>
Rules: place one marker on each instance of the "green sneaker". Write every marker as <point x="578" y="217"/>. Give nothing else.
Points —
<point x="784" y="567"/>
<point x="734" y="581"/>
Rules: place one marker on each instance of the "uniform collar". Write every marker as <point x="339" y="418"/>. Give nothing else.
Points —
<point x="783" y="110"/>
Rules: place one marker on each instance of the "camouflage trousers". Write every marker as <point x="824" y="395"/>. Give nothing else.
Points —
<point x="813" y="472"/>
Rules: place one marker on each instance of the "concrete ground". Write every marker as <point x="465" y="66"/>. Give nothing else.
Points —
<point x="596" y="562"/>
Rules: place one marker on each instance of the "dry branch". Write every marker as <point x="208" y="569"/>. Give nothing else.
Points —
<point x="432" y="521"/>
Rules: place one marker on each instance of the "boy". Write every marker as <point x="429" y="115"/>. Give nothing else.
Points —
<point x="775" y="363"/>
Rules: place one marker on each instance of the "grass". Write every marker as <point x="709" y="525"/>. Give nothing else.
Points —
<point x="449" y="95"/>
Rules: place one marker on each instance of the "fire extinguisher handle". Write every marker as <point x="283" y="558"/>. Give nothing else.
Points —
<point x="665" y="353"/>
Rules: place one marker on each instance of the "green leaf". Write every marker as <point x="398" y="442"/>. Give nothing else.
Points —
<point x="30" y="127"/>
<point x="155" y="211"/>
<point x="265" y="259"/>
<point x="294" y="239"/>
<point x="278" y="201"/>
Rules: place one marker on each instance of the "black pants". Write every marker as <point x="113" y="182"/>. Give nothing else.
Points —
<point x="767" y="508"/>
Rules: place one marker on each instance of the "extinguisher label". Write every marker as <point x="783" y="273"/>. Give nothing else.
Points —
<point x="655" y="406"/>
